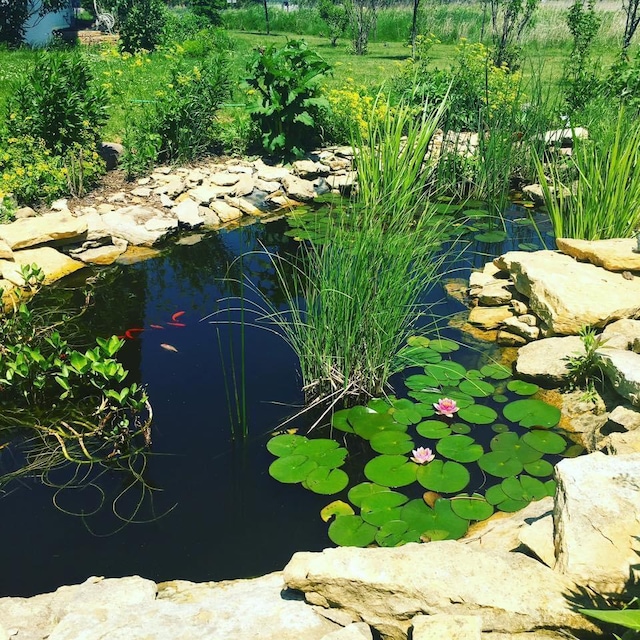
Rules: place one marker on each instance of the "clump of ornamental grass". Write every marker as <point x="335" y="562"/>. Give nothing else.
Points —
<point x="598" y="195"/>
<point x="352" y="300"/>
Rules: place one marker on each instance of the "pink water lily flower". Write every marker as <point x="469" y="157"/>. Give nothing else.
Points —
<point x="422" y="455"/>
<point x="446" y="407"/>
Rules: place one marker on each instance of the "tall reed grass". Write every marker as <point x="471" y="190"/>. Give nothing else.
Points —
<point x="597" y="196"/>
<point x="355" y="299"/>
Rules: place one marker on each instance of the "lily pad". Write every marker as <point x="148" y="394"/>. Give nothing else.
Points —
<point x="522" y="388"/>
<point x="540" y="468"/>
<point x="395" y="533"/>
<point x="291" y="469"/>
<point x="416" y="356"/>
<point x="391" y="442"/>
<point x="515" y="446"/>
<point x="460" y="448"/>
<point x="545" y="441"/>
<point x="444" y="346"/>
<point x="433" y="429"/>
<point x="361" y="491"/>
<point x="366" y="424"/>
<point x="283" y="445"/>
<point x="404" y="411"/>
<point x="316" y="447"/>
<point x="340" y="420"/>
<point x="478" y="414"/>
<point x="532" y="413"/>
<point x="476" y="388"/>
<point x="445" y="519"/>
<point x="390" y="471"/>
<point x="460" y="427"/>
<point x="326" y="481"/>
<point x="496" y="371"/>
<point x="500" y="464"/>
<point x="446" y="372"/>
<point x="491" y="237"/>
<point x="336" y="508"/>
<point x="499" y="427"/>
<point x="474" y="507"/>
<point x="382" y="507"/>
<point x="351" y="531"/>
<point x="444" y="477"/>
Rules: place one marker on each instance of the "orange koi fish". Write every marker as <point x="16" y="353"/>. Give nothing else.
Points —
<point x="156" y="326"/>
<point x="176" y="315"/>
<point x="129" y="333"/>
<point x="177" y="324"/>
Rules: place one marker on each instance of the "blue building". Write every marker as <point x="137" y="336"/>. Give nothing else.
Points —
<point x="39" y="30"/>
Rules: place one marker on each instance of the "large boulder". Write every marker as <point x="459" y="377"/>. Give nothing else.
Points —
<point x="597" y="520"/>
<point x="388" y="587"/>
<point x="567" y="295"/>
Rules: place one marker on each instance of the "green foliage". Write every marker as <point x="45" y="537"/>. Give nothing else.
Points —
<point x="209" y="9"/>
<point x="596" y="193"/>
<point x="57" y="100"/>
<point x="627" y="618"/>
<point x="585" y="368"/>
<point x="39" y="368"/>
<point x="283" y="83"/>
<point x="580" y="78"/>
<point x="622" y="84"/>
<point x="509" y="20"/>
<point x="31" y="173"/>
<point x="140" y="24"/>
<point x="183" y="25"/>
<point x="181" y="123"/>
<point x="335" y="17"/>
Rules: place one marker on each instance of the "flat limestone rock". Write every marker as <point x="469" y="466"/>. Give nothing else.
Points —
<point x="623" y="370"/>
<point x="597" y="520"/>
<point x="615" y="254"/>
<point x="56" y="226"/>
<point x="449" y="627"/>
<point x="545" y="360"/>
<point x="136" y="609"/>
<point x="388" y="587"/>
<point x="489" y="317"/>
<point x="224" y="211"/>
<point x="53" y="263"/>
<point x="621" y="334"/>
<point x="501" y="532"/>
<point x="566" y="294"/>
<point x="299" y="189"/>
<point x="104" y="255"/>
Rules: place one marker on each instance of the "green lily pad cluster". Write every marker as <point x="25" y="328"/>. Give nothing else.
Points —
<point x="314" y="463"/>
<point x="405" y="499"/>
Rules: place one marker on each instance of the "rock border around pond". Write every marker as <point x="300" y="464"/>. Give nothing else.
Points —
<point x="125" y="226"/>
<point x="513" y="577"/>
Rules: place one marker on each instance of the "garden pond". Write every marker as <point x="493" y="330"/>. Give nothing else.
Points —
<point x="203" y="502"/>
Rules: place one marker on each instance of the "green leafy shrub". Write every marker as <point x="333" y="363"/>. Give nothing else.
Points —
<point x="283" y="83"/>
<point x="140" y="24"/>
<point x="183" y="25"/>
<point x="209" y="9"/>
<point x="58" y="101"/>
<point x="181" y="123"/>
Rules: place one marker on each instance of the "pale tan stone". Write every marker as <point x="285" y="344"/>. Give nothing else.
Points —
<point x="29" y="232"/>
<point x="489" y="317"/>
<point x="616" y="254"/>
<point x="53" y="263"/>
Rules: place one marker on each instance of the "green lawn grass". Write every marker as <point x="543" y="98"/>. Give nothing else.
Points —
<point x="135" y="81"/>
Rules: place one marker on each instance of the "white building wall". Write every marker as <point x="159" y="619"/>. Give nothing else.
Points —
<point x="38" y="31"/>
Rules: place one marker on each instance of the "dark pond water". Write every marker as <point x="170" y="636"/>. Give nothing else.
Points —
<point x="208" y="509"/>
